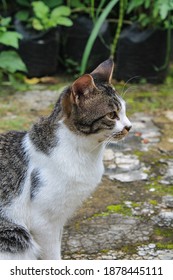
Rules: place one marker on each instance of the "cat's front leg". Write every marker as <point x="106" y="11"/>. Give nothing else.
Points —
<point x="51" y="244"/>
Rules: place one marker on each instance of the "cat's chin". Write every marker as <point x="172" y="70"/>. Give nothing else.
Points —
<point x="117" y="135"/>
<point x="120" y="136"/>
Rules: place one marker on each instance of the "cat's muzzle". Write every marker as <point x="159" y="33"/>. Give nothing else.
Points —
<point x="120" y="135"/>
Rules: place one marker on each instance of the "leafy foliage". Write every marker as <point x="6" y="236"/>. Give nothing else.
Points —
<point x="8" y="38"/>
<point x="10" y="62"/>
<point x="44" y="17"/>
<point x="152" y="12"/>
<point x="50" y="4"/>
<point x="95" y="33"/>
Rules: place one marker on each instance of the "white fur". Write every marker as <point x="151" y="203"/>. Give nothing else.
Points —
<point x="69" y="175"/>
<point x="123" y="120"/>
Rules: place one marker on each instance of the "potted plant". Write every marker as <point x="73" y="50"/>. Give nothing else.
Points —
<point x="39" y="47"/>
<point x="144" y="47"/>
<point x="85" y="15"/>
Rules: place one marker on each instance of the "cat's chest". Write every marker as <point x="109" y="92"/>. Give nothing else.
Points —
<point x="70" y="170"/>
<point x="79" y="167"/>
<point x="68" y="176"/>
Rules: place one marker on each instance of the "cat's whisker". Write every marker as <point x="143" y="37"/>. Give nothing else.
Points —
<point x="122" y="92"/>
<point x="98" y="145"/>
<point x="106" y="142"/>
<point x="101" y="143"/>
<point x="130" y="88"/>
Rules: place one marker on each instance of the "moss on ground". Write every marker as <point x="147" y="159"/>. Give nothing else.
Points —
<point x="120" y="209"/>
<point x="153" y="202"/>
<point x="159" y="189"/>
<point x="130" y="249"/>
<point x="163" y="238"/>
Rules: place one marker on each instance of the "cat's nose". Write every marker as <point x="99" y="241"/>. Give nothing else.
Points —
<point x="128" y="127"/>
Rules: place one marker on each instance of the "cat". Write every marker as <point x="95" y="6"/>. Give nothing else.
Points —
<point x="47" y="172"/>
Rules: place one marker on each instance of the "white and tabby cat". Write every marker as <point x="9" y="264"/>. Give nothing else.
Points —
<point x="47" y="172"/>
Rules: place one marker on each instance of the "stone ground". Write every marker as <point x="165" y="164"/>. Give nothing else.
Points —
<point x="130" y="216"/>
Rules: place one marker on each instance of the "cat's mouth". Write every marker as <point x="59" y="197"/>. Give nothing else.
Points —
<point x="120" y="135"/>
<point x="117" y="135"/>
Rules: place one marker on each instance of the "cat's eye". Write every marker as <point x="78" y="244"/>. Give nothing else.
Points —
<point x="112" y="115"/>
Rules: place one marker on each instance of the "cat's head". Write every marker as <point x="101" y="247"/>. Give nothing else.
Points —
<point x="93" y="107"/>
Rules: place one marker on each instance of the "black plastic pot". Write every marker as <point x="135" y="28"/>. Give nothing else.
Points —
<point x="140" y="54"/>
<point x="39" y="51"/>
<point x="74" y="40"/>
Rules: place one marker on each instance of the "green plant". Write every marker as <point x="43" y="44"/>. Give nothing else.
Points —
<point x="10" y="61"/>
<point x="72" y="66"/>
<point x="122" y="7"/>
<point x="98" y="12"/>
<point x="51" y="4"/>
<point x="45" y="15"/>
<point x="4" y="5"/>
<point x="8" y="37"/>
<point x="98" y="23"/>
<point x="86" y="6"/>
<point x="154" y="14"/>
<point x="44" y="18"/>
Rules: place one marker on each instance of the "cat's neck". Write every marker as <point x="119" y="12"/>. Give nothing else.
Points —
<point x="84" y="145"/>
<point x="48" y="138"/>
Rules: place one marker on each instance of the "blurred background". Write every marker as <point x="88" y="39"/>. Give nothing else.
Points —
<point x="45" y="38"/>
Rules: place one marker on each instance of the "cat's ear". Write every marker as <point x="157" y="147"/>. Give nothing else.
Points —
<point x="82" y="87"/>
<point x="104" y="72"/>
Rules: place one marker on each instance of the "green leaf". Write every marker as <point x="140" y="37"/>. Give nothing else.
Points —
<point x="5" y="21"/>
<point x="155" y="11"/>
<point x="144" y="20"/>
<point x="59" y="16"/>
<point x="60" y="11"/>
<point x="95" y="33"/>
<point x="25" y="3"/>
<point x="11" y="62"/>
<point x="64" y="21"/>
<point x="76" y="4"/>
<point x="147" y="4"/>
<point x="134" y="4"/>
<point x="37" y="24"/>
<point x="53" y="3"/>
<point x="164" y="9"/>
<point x="3" y="29"/>
<point x="10" y="38"/>
<point x="22" y="15"/>
<point x="40" y="9"/>
<point x="100" y="7"/>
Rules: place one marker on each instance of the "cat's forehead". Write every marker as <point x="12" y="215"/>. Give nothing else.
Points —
<point x="110" y="93"/>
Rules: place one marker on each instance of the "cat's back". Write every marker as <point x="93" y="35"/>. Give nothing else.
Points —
<point x="13" y="164"/>
<point x="10" y="142"/>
